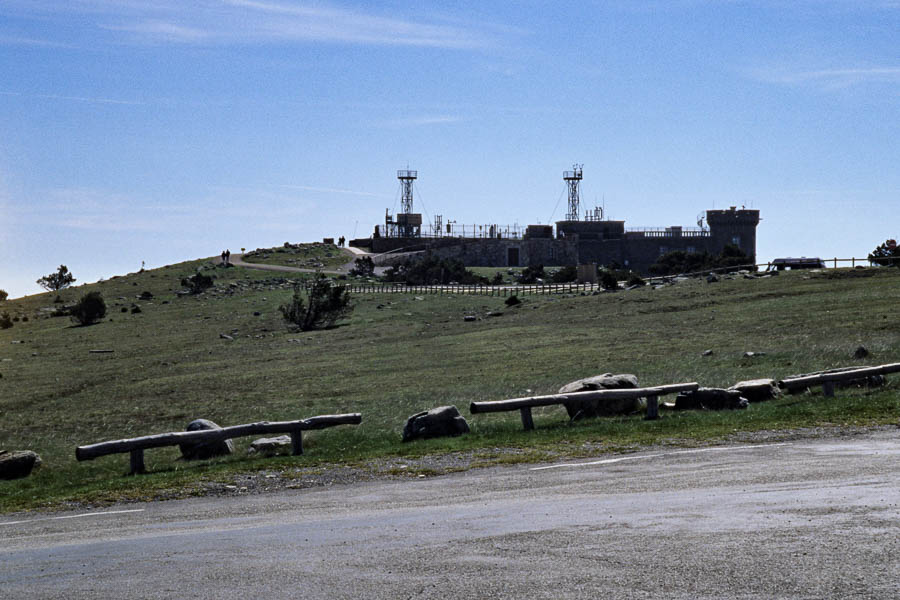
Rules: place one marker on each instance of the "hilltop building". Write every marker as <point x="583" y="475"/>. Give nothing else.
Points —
<point x="591" y="239"/>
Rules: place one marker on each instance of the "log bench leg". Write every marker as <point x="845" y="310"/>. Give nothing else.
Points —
<point x="297" y="442"/>
<point x="527" y="421"/>
<point x="828" y="389"/>
<point x="652" y="408"/>
<point x="137" y="462"/>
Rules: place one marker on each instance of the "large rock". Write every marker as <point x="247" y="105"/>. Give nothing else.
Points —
<point x="208" y="449"/>
<point x="271" y="446"/>
<point x="441" y="421"/>
<point x="17" y="464"/>
<point x="710" y="399"/>
<point x="580" y="409"/>
<point x="757" y="390"/>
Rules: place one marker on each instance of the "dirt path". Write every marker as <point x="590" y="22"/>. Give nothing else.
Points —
<point x="237" y="260"/>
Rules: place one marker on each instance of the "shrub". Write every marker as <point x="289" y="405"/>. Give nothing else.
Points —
<point x="565" y="274"/>
<point x="531" y="274"/>
<point x="608" y="280"/>
<point x="318" y="306"/>
<point x="497" y="279"/>
<point x="197" y="283"/>
<point x="363" y="267"/>
<point x="3" y="295"/>
<point x="5" y="321"/>
<point x="635" y="279"/>
<point x="90" y="309"/>
<point x="886" y="254"/>
<point x="512" y="301"/>
<point x="432" y="270"/>
<point x="57" y="281"/>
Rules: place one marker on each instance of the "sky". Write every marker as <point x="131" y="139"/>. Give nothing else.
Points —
<point x="159" y="131"/>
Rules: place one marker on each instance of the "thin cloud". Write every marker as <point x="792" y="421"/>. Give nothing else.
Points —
<point x="15" y="40"/>
<point x="262" y="21"/>
<point x="93" y="100"/>
<point x="833" y="78"/>
<point x="423" y="121"/>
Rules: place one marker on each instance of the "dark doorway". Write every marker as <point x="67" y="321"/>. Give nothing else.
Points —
<point x="512" y="257"/>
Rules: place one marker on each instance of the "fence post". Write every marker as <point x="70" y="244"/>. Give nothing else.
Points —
<point x="527" y="421"/>
<point x="137" y="462"/>
<point x="652" y="408"/>
<point x="297" y="442"/>
<point x="853" y="261"/>
<point x="835" y="262"/>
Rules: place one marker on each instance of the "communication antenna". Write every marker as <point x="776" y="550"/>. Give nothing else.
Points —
<point x="406" y="178"/>
<point x="573" y="181"/>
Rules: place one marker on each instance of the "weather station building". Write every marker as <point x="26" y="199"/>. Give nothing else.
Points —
<point x="574" y="240"/>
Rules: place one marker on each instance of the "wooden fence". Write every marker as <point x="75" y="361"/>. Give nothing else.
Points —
<point x="505" y="290"/>
<point x="827" y="380"/>
<point x="136" y="446"/>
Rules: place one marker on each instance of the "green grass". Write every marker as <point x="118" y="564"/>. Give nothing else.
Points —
<point x="398" y="355"/>
<point x="306" y="256"/>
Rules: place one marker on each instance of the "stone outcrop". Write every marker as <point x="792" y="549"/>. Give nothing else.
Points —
<point x="580" y="409"/>
<point x="757" y="390"/>
<point x="437" y="422"/>
<point x="18" y="464"/>
<point x="207" y="449"/>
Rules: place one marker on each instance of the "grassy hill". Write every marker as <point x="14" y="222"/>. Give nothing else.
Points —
<point x="400" y="354"/>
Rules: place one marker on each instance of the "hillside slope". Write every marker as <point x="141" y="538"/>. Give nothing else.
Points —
<point x="399" y="354"/>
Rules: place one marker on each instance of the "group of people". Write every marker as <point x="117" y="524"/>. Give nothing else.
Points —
<point x="226" y="257"/>
<point x="341" y="241"/>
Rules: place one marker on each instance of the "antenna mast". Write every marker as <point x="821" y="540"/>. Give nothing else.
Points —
<point x="573" y="181"/>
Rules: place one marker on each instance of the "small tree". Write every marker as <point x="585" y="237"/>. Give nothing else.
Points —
<point x="566" y="274"/>
<point x="57" y="281"/>
<point x="3" y="295"/>
<point x="886" y="254"/>
<point x="608" y="280"/>
<point x="5" y="321"/>
<point x="90" y="309"/>
<point x="318" y="306"/>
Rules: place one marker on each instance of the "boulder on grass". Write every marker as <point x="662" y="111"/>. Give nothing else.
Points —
<point x="710" y="399"/>
<point x="437" y="422"/>
<point x="580" y="409"/>
<point x="271" y="446"/>
<point x="757" y="390"/>
<point x="17" y="464"/>
<point x="204" y="450"/>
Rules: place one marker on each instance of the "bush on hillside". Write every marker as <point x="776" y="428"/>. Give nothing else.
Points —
<point x="433" y="270"/>
<point x="565" y="275"/>
<point x="886" y="254"/>
<point x="531" y="274"/>
<point x="90" y="309"/>
<point x="635" y="279"/>
<point x="3" y="295"/>
<point x="363" y="267"/>
<point x="5" y="321"/>
<point x="197" y="283"/>
<point x="317" y="306"/>
<point x="608" y="280"/>
<point x="679" y="261"/>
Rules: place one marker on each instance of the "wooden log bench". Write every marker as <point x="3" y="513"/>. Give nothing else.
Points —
<point x="827" y="380"/>
<point x="136" y="446"/>
<point x="524" y="405"/>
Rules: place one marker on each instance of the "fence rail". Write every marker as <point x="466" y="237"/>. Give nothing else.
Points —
<point x="136" y="446"/>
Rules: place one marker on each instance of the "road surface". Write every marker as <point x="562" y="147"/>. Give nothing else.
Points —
<point x="806" y="519"/>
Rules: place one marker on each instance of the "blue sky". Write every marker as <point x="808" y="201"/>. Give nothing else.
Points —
<point x="161" y="131"/>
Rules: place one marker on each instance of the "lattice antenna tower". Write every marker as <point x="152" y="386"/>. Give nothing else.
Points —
<point x="406" y="178"/>
<point x="573" y="181"/>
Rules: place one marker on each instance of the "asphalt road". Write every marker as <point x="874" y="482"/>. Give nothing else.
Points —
<point x="811" y="519"/>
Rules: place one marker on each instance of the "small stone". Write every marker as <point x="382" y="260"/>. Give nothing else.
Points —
<point x="203" y="450"/>
<point x="707" y="353"/>
<point x="225" y="336"/>
<point x="753" y="354"/>
<point x="469" y="318"/>
<point x="271" y="446"/>
<point x="256" y="313"/>
<point x="441" y="421"/>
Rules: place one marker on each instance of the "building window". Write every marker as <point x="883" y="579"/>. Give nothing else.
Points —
<point x="736" y="240"/>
